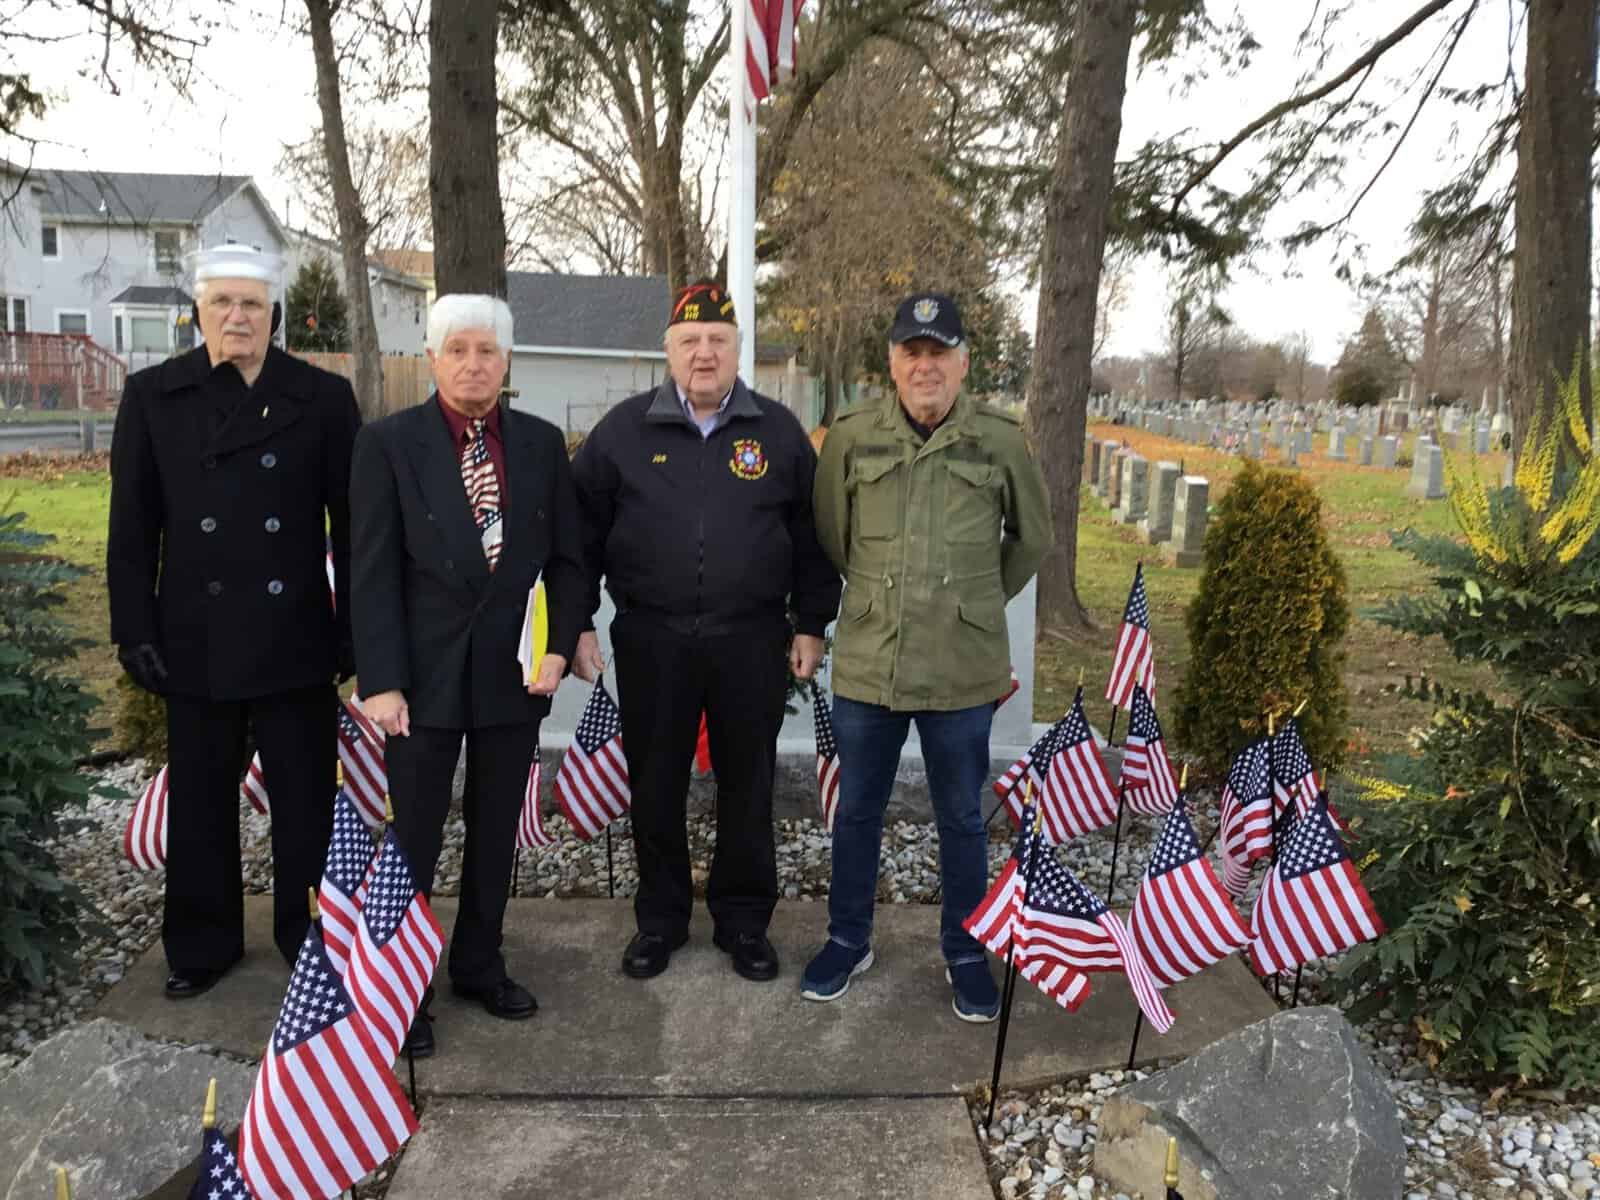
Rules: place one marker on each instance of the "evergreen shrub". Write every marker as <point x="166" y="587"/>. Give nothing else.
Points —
<point x="1266" y="628"/>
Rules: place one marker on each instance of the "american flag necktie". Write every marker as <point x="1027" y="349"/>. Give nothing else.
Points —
<point x="483" y="489"/>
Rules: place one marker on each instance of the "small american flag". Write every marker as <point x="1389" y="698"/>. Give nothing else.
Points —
<point x="1134" y="662"/>
<point x="396" y="948"/>
<point x="366" y="777"/>
<point x="254" y="787"/>
<point x="144" y="841"/>
<point x="1064" y="923"/>
<point x="1018" y="771"/>
<point x="769" y="54"/>
<point x="218" y="1177"/>
<point x="1182" y="920"/>
<point x="1313" y="903"/>
<point x="344" y="880"/>
<point x="592" y="783"/>
<point x="530" y="825"/>
<point x="1076" y="794"/>
<point x="1246" y="832"/>
<point x="1149" y="785"/>
<point x="1293" y="776"/>
<point x="326" y="1109"/>
<point x="827" y="756"/>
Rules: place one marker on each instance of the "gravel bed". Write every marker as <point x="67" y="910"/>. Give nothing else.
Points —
<point x="1464" y="1143"/>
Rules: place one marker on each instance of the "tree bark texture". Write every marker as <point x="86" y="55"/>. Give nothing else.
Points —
<point x="1076" y="214"/>
<point x="353" y="230"/>
<point x="469" y="225"/>
<point x="1550" y="269"/>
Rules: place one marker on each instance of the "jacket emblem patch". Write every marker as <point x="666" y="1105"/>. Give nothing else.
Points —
<point x="749" y="461"/>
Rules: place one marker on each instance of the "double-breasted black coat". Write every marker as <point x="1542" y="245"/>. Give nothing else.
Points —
<point x="431" y="619"/>
<point x="218" y="539"/>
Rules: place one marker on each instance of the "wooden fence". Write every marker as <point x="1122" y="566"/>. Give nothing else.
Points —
<point x="407" y="381"/>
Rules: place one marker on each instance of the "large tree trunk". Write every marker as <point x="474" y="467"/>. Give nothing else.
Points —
<point x="469" y="225"/>
<point x="352" y="221"/>
<point x="1430" y="329"/>
<point x="1550" y="269"/>
<point x="1074" y="246"/>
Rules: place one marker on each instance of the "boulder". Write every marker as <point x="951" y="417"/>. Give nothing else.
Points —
<point x="1290" y="1107"/>
<point x="119" y="1111"/>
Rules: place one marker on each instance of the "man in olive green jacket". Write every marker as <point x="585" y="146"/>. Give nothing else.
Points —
<point x="931" y="507"/>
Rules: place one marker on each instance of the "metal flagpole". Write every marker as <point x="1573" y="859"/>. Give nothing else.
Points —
<point x="516" y="871"/>
<point x="1272" y="800"/>
<point x="611" y="876"/>
<point x="1116" y="836"/>
<point x="742" y="189"/>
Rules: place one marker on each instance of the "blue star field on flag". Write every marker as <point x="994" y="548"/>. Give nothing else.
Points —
<point x="219" y="1177"/>
<point x="350" y="849"/>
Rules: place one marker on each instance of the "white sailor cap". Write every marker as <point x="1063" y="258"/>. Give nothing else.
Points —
<point x="234" y="260"/>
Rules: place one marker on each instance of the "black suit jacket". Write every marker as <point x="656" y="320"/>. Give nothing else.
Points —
<point x="218" y="542"/>
<point x="430" y="619"/>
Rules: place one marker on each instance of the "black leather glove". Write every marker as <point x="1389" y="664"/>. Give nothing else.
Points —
<point x="144" y="666"/>
<point x="347" y="662"/>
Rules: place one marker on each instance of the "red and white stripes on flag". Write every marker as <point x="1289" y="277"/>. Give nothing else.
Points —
<point x="592" y="782"/>
<point x="366" y="775"/>
<point x="396" y="949"/>
<point x="827" y="757"/>
<point x="1148" y="783"/>
<point x="769" y="53"/>
<point x="1246" y="824"/>
<point x="345" y="873"/>
<point x="1182" y="920"/>
<point x="1313" y="903"/>
<point x="1075" y="792"/>
<point x="1134" y="661"/>
<point x="326" y="1109"/>
<point x="530" y="825"/>
<point x="144" y="841"/>
<point x="254" y="787"/>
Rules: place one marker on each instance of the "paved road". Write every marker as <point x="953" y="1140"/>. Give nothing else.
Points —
<point x="20" y="437"/>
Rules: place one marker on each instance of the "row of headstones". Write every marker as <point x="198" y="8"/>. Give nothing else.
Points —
<point x="1427" y="459"/>
<point x="1168" y="507"/>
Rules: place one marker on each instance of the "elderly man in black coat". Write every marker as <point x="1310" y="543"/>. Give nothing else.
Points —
<point x="460" y="506"/>
<point x="230" y="473"/>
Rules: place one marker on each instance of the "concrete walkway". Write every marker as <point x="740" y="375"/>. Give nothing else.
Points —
<point x="714" y="1085"/>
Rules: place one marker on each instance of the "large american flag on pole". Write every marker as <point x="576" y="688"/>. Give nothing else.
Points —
<point x="1313" y="903"/>
<point x="345" y="873"/>
<point x="1182" y="920"/>
<point x="366" y="776"/>
<point x="396" y="948"/>
<point x="769" y="54"/>
<point x="1149" y="784"/>
<point x="1135" y="660"/>
<point x="326" y="1109"/>
<point x="531" y="833"/>
<point x="592" y="782"/>
<point x="827" y="756"/>
<point x="1064" y="923"/>
<point x="1246" y="828"/>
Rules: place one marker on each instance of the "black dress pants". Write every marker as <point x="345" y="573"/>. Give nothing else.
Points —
<point x="665" y="679"/>
<point x="202" y="928"/>
<point x="421" y="770"/>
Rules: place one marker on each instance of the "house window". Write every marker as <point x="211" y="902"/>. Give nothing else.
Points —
<point x="72" y="322"/>
<point x="14" y="314"/>
<point x="148" y="335"/>
<point x="169" y="252"/>
<point x="50" y="241"/>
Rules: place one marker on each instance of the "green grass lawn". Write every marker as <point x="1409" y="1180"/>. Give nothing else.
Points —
<point x="1362" y="504"/>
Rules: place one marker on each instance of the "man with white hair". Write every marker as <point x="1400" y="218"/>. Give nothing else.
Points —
<point x="230" y="473"/>
<point x="459" y="506"/>
<point x="931" y="506"/>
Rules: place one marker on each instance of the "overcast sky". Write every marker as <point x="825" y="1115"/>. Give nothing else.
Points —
<point x="257" y="93"/>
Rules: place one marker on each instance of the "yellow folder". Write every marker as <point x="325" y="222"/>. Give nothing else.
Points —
<point x="535" y="633"/>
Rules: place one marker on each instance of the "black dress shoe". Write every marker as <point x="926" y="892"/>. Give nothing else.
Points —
<point x="419" y="1041"/>
<point x="508" y="999"/>
<point x="186" y="985"/>
<point x="753" y="955"/>
<point x="647" y="954"/>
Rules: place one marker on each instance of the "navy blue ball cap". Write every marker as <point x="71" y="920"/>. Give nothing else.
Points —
<point x="928" y="315"/>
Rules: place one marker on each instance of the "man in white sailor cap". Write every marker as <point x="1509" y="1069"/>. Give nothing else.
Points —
<point x="230" y="472"/>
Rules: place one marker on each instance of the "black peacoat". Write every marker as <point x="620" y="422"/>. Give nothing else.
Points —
<point x="431" y="620"/>
<point x="218" y="540"/>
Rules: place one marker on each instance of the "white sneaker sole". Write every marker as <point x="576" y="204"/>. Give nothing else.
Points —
<point x="854" y="971"/>
<point x="971" y="1018"/>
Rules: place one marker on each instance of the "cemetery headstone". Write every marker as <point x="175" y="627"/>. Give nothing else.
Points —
<point x="1388" y="451"/>
<point x="1091" y="462"/>
<point x="1114" y="479"/>
<point x="1135" y="483"/>
<point x="1427" y="473"/>
<point x="1157" y="525"/>
<point x="1336" y="444"/>
<point x="1102" y="483"/>
<point x="1366" y="450"/>
<point x="1189" y="511"/>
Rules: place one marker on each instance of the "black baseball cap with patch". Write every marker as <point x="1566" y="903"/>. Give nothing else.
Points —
<point x="928" y="315"/>
<point x="703" y="300"/>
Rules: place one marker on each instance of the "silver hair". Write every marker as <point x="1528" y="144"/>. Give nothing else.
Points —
<point x="464" y="310"/>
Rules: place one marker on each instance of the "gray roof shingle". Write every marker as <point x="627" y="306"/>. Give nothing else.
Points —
<point x="141" y="294"/>
<point x="589" y="312"/>
<point x="135" y="196"/>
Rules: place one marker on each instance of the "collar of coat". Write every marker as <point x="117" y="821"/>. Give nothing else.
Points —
<point x="282" y="375"/>
<point x="962" y="417"/>
<point x="664" y="404"/>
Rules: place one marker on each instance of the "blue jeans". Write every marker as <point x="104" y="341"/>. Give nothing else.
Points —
<point x="955" y="748"/>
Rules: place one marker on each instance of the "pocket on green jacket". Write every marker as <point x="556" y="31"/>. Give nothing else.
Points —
<point x="876" y="496"/>
<point x="972" y="513"/>
<point x="987" y="615"/>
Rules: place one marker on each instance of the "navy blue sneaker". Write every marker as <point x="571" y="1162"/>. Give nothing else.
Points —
<point x="828" y="975"/>
<point x="974" y="995"/>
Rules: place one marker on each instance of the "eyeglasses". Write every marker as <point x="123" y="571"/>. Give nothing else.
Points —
<point x="249" y="306"/>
